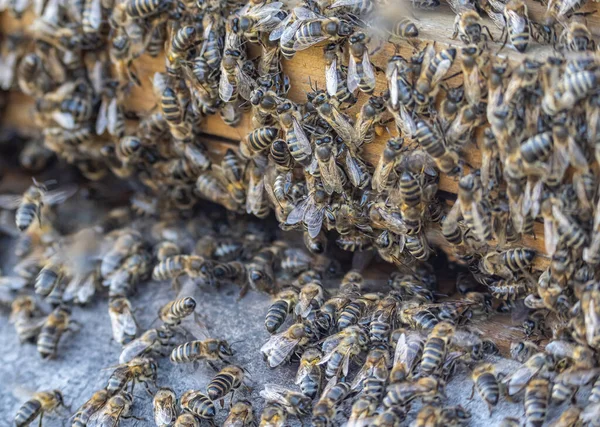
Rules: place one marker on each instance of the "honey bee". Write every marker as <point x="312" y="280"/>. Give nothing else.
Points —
<point x="326" y="408"/>
<point x="448" y="415"/>
<point x="89" y="408"/>
<point x="174" y="311"/>
<point x="537" y="400"/>
<point x="309" y="373"/>
<point x="518" y="25"/>
<point x="173" y="267"/>
<point x="363" y="408"/>
<point x="55" y="325"/>
<point x="436" y="348"/>
<point x="40" y="403"/>
<point x="567" y="383"/>
<point x="211" y="188"/>
<point x="30" y="205"/>
<point x="386" y="164"/>
<point x="486" y="384"/>
<point x="310" y="28"/>
<point x="569" y="417"/>
<point x="281" y="347"/>
<point x="24" y="316"/>
<point x="535" y="365"/>
<point x="228" y="380"/>
<point x="210" y="350"/>
<point x="576" y="37"/>
<point x="392" y="417"/>
<point x="137" y="370"/>
<point x="273" y="415"/>
<point x="336" y="75"/>
<point x="435" y="66"/>
<point x="361" y="74"/>
<point x="124" y="325"/>
<point x="432" y="142"/>
<point x="339" y="349"/>
<point x="260" y="269"/>
<point x="294" y="403"/>
<point x="126" y="243"/>
<point x="240" y="415"/>
<point x="469" y="27"/>
<point x="153" y="340"/>
<point x="507" y="263"/>
<point x="198" y="404"/>
<point x="374" y="373"/>
<point x="407" y="354"/>
<point x="402" y="393"/>
<point x="164" y="404"/>
<point x="310" y="298"/>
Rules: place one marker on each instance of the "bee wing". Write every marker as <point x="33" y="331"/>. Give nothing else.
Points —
<point x="330" y="176"/>
<point x="13" y="283"/>
<point x="164" y="415"/>
<point x="246" y="84"/>
<point x="56" y="197"/>
<point x="7" y="70"/>
<point x="352" y="77"/>
<point x="341" y="124"/>
<point x="368" y="69"/>
<point x="254" y="199"/>
<point x="405" y="122"/>
<point x="302" y="139"/>
<point x="303" y="45"/>
<point x="274" y="393"/>
<point x="396" y="224"/>
<point x="365" y="371"/>
<point x="278" y="31"/>
<point x="64" y="120"/>
<point x="331" y="78"/>
<point x="353" y="170"/>
<point x="94" y="15"/>
<point x="520" y="378"/>
<point x="290" y="32"/>
<point x="576" y="155"/>
<point x="281" y="343"/>
<point x="10" y="201"/>
<point x="472" y="88"/>
<point x="479" y="221"/>
<point x="304" y="14"/>
<point x="123" y="324"/>
<point x="29" y="328"/>
<point x="393" y="87"/>
<point x="297" y="214"/>
<point x="113" y="116"/>
<point x="441" y="71"/>
<point x="102" y="120"/>
<point x="313" y="218"/>
<point x="401" y="351"/>
<point x="225" y="87"/>
<point x="133" y="349"/>
<point x="515" y="21"/>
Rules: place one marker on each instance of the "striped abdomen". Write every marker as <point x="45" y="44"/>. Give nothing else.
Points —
<point x="221" y="385"/>
<point x="488" y="388"/>
<point x="518" y="259"/>
<point x="186" y="353"/>
<point x="28" y="412"/>
<point x="26" y="214"/>
<point x="536" y="400"/>
<point x="276" y="315"/>
<point x="351" y="314"/>
<point x="434" y="354"/>
<point x="168" y="268"/>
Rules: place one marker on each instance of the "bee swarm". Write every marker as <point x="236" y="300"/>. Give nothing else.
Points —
<point x="391" y="147"/>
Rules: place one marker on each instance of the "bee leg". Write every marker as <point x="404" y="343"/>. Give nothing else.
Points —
<point x="222" y="402"/>
<point x="472" y="392"/>
<point x="41" y="417"/>
<point x="212" y="365"/>
<point x="244" y="291"/>
<point x="231" y="401"/>
<point x="147" y="387"/>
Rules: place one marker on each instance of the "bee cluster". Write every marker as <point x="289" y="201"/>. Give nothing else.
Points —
<point x="537" y="123"/>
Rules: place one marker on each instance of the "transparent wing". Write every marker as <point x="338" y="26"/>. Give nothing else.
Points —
<point x="246" y="84"/>
<point x="113" y="116"/>
<point x="56" y="197"/>
<point x="343" y="127"/>
<point x="353" y="169"/>
<point x="64" y="120"/>
<point x="7" y="70"/>
<point x="280" y="28"/>
<point x="254" y="200"/>
<point x="441" y="71"/>
<point x="515" y="21"/>
<point x="14" y="283"/>
<point x="302" y="139"/>
<point x="314" y="220"/>
<point x="102" y="120"/>
<point x="368" y="69"/>
<point x="10" y="201"/>
<point x="331" y="78"/>
<point x="281" y="343"/>
<point x="353" y="78"/>
<point x="393" y="87"/>
<point x="297" y="214"/>
<point x="290" y="32"/>
<point x="274" y="393"/>
<point x="303" y="45"/>
<point x="133" y="349"/>
<point x="226" y="89"/>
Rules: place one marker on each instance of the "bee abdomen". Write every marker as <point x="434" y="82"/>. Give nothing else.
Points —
<point x="518" y="259"/>
<point x="27" y="413"/>
<point x="168" y="268"/>
<point x="48" y="341"/>
<point x="433" y="355"/>
<point x="185" y="353"/>
<point x="488" y="387"/>
<point x="537" y="148"/>
<point x="25" y="215"/>
<point x="276" y="315"/>
<point x="220" y="386"/>
<point x="350" y="315"/>
<point x="536" y="402"/>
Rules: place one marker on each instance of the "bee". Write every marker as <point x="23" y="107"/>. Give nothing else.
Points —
<point x="567" y="383"/>
<point x="30" y="205"/>
<point x="407" y="354"/>
<point x="40" y="403"/>
<point x="431" y="141"/>
<point x="363" y="408"/>
<point x="294" y="403"/>
<point x="298" y="145"/>
<point x="328" y="110"/>
<point x="336" y="75"/>
<point x="174" y="311"/>
<point x="569" y="417"/>
<point x="137" y="370"/>
<point x="518" y="25"/>
<point x="211" y="188"/>
<point x="436" y="348"/>
<point x="486" y="384"/>
<point x="435" y="67"/>
<point x="153" y="340"/>
<point x="576" y="37"/>
<point x="166" y="249"/>
<point x="448" y="415"/>
<point x="273" y="415"/>
<point x="469" y="27"/>
<point x="240" y="415"/>
<point x="198" y="404"/>
<point x="361" y="74"/>
<point x="187" y="420"/>
<point x="260" y="139"/>
<point x="127" y="243"/>
<point x="175" y="266"/>
<point x="281" y="347"/>
<point x="328" y="405"/>
<point x="255" y="18"/>
<point x="339" y="349"/>
<point x="264" y="108"/>
<point x="537" y="399"/>
<point x="310" y="29"/>
<point x="310" y="298"/>
<point x="278" y="311"/>
<point x="228" y="380"/>
<point x="142" y="9"/>
<point x="89" y="408"/>
<point x="355" y="310"/>
<point x="392" y="417"/>
<point x="373" y="374"/>
<point x="164" y="404"/>
<point x="309" y="373"/>
<point x="55" y="325"/>
<point x="210" y="350"/>
<point x="536" y="364"/>
<point x="124" y="325"/>
<point x="507" y="263"/>
<point x="402" y="393"/>
<point x="260" y="269"/>
<point x="234" y="80"/>
<point x="326" y="153"/>
<point x="387" y="161"/>
<point x="49" y="277"/>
